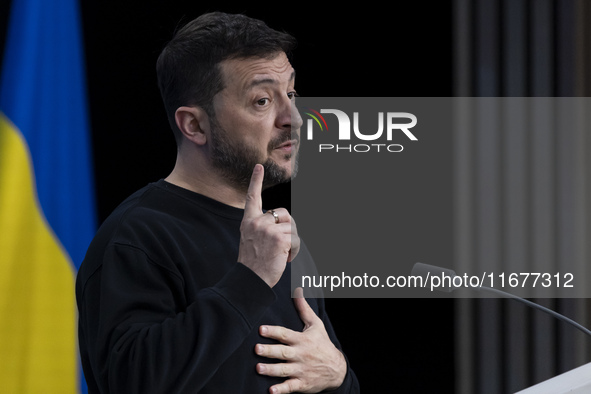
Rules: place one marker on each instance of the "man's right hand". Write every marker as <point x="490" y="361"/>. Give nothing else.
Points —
<point x="265" y="246"/>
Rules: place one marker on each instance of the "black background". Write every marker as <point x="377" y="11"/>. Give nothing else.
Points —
<point x="359" y="49"/>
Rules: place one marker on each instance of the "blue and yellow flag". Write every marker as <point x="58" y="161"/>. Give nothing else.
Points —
<point x="47" y="210"/>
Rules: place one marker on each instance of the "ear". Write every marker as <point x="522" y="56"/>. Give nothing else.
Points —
<point x="193" y="123"/>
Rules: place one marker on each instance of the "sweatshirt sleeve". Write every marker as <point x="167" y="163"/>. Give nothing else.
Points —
<point x="306" y="266"/>
<point x="350" y="384"/>
<point x="140" y="341"/>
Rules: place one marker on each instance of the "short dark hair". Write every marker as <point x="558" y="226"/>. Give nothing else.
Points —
<point x="188" y="68"/>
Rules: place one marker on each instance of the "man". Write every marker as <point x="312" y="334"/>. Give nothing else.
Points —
<point x="186" y="286"/>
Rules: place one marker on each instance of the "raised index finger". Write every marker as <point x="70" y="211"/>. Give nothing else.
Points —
<point x="254" y="201"/>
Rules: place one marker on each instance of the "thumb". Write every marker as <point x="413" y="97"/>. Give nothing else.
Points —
<point x="306" y="312"/>
<point x="254" y="201"/>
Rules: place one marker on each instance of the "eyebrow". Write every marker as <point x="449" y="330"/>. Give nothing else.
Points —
<point x="263" y="81"/>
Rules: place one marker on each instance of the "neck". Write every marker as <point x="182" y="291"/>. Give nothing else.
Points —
<point x="198" y="176"/>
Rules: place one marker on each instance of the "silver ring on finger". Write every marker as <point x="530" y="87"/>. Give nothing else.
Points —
<point x="275" y="215"/>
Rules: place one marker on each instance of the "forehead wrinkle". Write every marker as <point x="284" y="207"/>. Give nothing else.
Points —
<point x="256" y="72"/>
<point x="267" y="80"/>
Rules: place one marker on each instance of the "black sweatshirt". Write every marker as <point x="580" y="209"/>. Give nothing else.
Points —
<point x="164" y="307"/>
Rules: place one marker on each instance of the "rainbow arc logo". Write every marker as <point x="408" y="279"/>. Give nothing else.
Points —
<point x="315" y="116"/>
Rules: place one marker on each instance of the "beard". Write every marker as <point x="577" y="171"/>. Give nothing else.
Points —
<point x="236" y="161"/>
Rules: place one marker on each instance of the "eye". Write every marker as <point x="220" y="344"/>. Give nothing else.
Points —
<point x="292" y="95"/>
<point x="262" y="102"/>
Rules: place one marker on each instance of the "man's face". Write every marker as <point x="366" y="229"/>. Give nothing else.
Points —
<point x="253" y="121"/>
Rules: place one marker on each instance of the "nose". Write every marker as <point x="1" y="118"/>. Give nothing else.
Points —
<point x="296" y="118"/>
<point x="288" y="116"/>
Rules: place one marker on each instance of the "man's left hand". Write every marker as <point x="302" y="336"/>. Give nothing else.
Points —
<point x="312" y="362"/>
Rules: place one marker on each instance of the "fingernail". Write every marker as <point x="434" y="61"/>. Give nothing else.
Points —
<point x="263" y="330"/>
<point x="261" y="368"/>
<point x="259" y="349"/>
